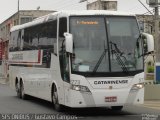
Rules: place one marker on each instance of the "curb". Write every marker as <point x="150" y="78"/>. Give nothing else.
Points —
<point x="155" y="104"/>
<point x="3" y="81"/>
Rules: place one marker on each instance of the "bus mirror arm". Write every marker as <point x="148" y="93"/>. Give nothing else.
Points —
<point x="69" y="42"/>
<point x="147" y="54"/>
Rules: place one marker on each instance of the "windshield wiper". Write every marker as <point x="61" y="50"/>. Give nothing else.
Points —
<point x="118" y="55"/>
<point x="99" y="61"/>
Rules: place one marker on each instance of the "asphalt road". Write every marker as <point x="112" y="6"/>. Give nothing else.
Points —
<point x="11" y="107"/>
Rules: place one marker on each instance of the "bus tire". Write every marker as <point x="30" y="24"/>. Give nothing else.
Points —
<point x="18" y="89"/>
<point x="117" y="108"/>
<point x="58" y="107"/>
<point x="22" y="93"/>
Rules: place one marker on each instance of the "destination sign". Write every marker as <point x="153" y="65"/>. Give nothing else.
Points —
<point x="87" y="22"/>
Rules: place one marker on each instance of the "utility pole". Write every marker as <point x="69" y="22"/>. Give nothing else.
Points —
<point x="157" y="43"/>
<point x="18" y="13"/>
<point x="155" y="5"/>
<point x="18" y="5"/>
<point x="157" y="39"/>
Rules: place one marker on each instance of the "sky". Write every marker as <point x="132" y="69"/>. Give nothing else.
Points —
<point x="9" y="7"/>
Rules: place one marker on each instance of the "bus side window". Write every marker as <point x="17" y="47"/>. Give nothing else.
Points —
<point x="63" y="56"/>
<point x="46" y="39"/>
<point x="15" y="40"/>
<point x="62" y="27"/>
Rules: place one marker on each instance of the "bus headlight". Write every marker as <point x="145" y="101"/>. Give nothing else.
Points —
<point x="137" y="86"/>
<point x="75" y="87"/>
<point x="80" y="88"/>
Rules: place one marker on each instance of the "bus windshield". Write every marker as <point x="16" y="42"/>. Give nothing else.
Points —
<point x="106" y="45"/>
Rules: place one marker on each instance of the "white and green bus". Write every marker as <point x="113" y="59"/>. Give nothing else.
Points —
<point x="80" y="59"/>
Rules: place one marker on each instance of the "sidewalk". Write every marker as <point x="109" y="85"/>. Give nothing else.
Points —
<point x="2" y="80"/>
<point x="154" y="104"/>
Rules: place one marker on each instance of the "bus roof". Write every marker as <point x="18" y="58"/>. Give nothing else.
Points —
<point x="65" y="13"/>
<point x="95" y="12"/>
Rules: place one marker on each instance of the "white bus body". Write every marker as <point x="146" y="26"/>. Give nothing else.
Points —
<point x="105" y="68"/>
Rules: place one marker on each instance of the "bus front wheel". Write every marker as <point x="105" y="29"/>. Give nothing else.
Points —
<point x="55" y="100"/>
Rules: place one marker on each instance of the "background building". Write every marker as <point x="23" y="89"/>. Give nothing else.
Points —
<point x="21" y="17"/>
<point x="103" y="4"/>
<point x="146" y="23"/>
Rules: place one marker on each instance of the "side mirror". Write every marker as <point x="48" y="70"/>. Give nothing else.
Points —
<point x="148" y="41"/>
<point x="69" y="42"/>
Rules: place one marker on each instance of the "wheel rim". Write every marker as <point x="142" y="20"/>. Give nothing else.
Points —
<point x="17" y="87"/>
<point x="22" y="90"/>
<point x="18" y="90"/>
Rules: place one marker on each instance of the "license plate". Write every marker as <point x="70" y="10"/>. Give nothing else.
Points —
<point x="111" y="99"/>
